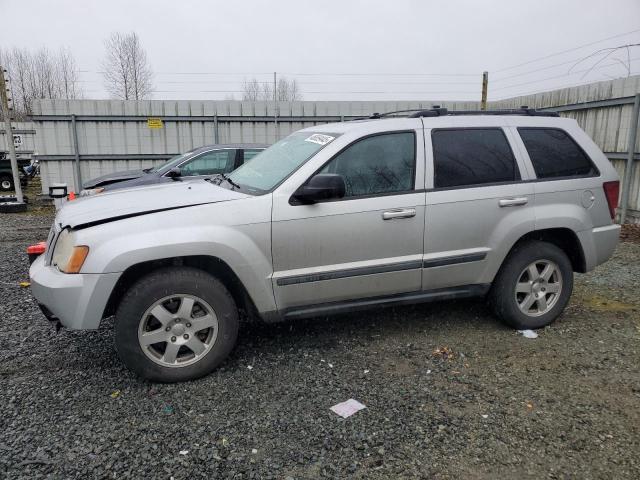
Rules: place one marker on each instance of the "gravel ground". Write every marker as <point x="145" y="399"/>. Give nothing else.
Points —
<point x="449" y="392"/>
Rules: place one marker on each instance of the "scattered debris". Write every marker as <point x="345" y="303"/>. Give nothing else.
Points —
<point x="485" y="416"/>
<point x="24" y="284"/>
<point x="168" y="409"/>
<point x="115" y="394"/>
<point x="528" y="333"/>
<point x="348" y="408"/>
<point x="444" y="352"/>
<point x="254" y="451"/>
<point x="366" y="371"/>
<point x="249" y="367"/>
<point x="184" y="452"/>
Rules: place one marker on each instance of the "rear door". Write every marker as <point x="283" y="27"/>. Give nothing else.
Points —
<point x="478" y="204"/>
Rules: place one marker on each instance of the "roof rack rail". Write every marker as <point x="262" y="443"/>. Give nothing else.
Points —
<point x="437" y="111"/>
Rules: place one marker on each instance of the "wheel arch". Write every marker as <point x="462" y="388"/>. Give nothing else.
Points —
<point x="564" y="238"/>
<point x="210" y="264"/>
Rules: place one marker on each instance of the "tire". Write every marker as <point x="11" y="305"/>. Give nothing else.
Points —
<point x="523" y="301"/>
<point x="6" y="183"/>
<point x="160" y="301"/>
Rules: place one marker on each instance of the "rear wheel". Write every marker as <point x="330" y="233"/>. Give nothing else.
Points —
<point x="533" y="286"/>
<point x="176" y="324"/>
<point x="6" y="183"/>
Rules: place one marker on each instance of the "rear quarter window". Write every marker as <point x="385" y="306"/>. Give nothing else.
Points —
<point x="554" y="154"/>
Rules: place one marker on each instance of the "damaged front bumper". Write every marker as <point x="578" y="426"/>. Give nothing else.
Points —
<point x="77" y="301"/>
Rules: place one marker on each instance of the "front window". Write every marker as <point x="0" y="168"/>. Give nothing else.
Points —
<point x="265" y="171"/>
<point x="210" y="163"/>
<point x="377" y="165"/>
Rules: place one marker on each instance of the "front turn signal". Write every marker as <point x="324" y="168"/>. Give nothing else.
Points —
<point x="77" y="259"/>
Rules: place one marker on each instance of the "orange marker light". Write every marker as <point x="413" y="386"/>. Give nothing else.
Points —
<point x="78" y="256"/>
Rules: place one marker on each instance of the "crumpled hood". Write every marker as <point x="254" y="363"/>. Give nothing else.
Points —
<point x="113" y="177"/>
<point x="124" y="203"/>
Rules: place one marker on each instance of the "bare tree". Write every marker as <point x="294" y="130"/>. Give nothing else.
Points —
<point x="68" y="74"/>
<point x="286" y="90"/>
<point x="126" y="71"/>
<point x="252" y="90"/>
<point x="39" y="74"/>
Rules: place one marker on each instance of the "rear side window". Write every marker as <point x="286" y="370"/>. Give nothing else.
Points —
<point x="472" y="157"/>
<point x="555" y="154"/>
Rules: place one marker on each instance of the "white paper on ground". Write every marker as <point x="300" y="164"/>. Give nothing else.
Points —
<point x="528" y="333"/>
<point x="348" y="408"/>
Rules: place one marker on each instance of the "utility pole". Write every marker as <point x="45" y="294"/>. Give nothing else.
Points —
<point x="4" y="101"/>
<point x="485" y="85"/>
<point x="275" y="93"/>
<point x="275" y="105"/>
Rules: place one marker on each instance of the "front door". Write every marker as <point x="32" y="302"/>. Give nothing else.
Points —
<point x="367" y="244"/>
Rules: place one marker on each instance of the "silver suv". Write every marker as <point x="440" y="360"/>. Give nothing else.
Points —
<point x="383" y="211"/>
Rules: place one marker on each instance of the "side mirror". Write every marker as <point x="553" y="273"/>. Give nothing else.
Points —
<point x="174" y="173"/>
<point x="324" y="186"/>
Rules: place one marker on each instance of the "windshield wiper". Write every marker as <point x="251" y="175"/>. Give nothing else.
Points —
<point x="229" y="181"/>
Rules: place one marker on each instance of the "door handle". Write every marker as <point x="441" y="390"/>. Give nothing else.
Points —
<point x="399" y="213"/>
<point x="513" y="202"/>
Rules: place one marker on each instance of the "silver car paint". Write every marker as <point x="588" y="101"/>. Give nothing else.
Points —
<point x="198" y="218"/>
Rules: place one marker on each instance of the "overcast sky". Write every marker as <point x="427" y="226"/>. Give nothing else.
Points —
<point x="340" y="49"/>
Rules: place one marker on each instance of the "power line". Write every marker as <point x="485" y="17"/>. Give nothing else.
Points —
<point x="358" y="74"/>
<point x="537" y="70"/>
<point x="327" y="92"/>
<point x="560" y="76"/>
<point x="566" y="85"/>
<point x="566" y="51"/>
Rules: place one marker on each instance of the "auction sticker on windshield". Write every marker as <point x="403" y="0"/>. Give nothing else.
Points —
<point x="319" y="138"/>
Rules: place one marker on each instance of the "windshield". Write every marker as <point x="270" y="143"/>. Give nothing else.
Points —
<point x="169" y="164"/>
<point x="270" y="167"/>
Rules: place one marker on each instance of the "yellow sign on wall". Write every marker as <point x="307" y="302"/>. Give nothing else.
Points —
<point x="154" y="122"/>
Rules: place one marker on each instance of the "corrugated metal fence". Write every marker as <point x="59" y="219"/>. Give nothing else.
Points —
<point x="115" y="135"/>
<point x="108" y="135"/>
<point x="25" y="134"/>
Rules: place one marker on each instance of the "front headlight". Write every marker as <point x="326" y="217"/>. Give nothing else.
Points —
<point x="68" y="256"/>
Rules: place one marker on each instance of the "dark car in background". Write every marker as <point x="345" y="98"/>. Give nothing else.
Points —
<point x="6" y="175"/>
<point x="199" y="162"/>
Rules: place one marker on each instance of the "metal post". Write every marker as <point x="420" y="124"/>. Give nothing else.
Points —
<point x="216" y="137"/>
<point x="76" y="151"/>
<point x="4" y="101"/>
<point x="628" y="171"/>
<point x="275" y="105"/>
<point x="485" y="85"/>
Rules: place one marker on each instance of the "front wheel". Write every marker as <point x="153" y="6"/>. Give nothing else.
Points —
<point x="533" y="286"/>
<point x="176" y="324"/>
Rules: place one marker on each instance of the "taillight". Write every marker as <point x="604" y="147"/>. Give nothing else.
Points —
<point x="611" y="191"/>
